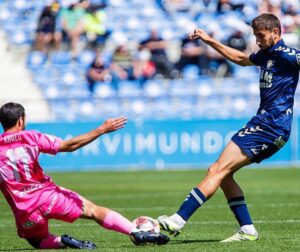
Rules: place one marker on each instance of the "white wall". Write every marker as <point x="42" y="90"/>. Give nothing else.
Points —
<point x="16" y="84"/>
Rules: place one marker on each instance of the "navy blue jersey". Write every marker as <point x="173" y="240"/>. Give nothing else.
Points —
<point x="279" y="76"/>
<point x="270" y="129"/>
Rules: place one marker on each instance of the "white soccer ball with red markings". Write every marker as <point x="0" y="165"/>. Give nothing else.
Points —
<point x="147" y="224"/>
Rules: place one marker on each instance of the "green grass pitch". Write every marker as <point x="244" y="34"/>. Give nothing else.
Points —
<point x="273" y="197"/>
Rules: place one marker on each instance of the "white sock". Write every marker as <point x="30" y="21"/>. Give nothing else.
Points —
<point x="249" y="229"/>
<point x="178" y="220"/>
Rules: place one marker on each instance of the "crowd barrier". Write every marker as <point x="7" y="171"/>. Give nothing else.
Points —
<point x="155" y="145"/>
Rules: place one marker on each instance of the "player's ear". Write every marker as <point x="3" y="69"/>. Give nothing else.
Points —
<point x="21" y="122"/>
<point x="276" y="31"/>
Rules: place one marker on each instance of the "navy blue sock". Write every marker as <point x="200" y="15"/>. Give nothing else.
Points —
<point x="240" y="210"/>
<point x="193" y="201"/>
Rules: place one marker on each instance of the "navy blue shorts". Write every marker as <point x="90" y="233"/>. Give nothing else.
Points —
<point x="260" y="140"/>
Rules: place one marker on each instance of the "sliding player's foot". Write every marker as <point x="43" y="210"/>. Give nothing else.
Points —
<point x="143" y="238"/>
<point x="71" y="242"/>
<point x="241" y="236"/>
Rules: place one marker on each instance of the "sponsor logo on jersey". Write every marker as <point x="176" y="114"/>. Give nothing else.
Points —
<point x="265" y="79"/>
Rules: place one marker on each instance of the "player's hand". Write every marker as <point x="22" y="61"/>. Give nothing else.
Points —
<point x="114" y="124"/>
<point x="199" y="34"/>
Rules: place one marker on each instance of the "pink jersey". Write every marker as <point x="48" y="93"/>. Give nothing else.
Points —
<point x="22" y="180"/>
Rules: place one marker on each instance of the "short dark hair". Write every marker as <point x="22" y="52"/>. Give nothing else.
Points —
<point x="266" y="21"/>
<point x="10" y="113"/>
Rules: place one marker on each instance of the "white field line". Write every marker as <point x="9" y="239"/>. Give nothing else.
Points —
<point x="90" y="224"/>
<point x="167" y="208"/>
<point x="132" y="195"/>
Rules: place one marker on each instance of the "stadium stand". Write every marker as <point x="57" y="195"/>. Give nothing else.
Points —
<point x="223" y="91"/>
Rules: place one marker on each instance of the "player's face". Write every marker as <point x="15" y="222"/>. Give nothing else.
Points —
<point x="264" y="38"/>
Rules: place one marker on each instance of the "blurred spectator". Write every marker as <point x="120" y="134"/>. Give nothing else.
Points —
<point x="122" y="65"/>
<point x="157" y="47"/>
<point x="97" y="71"/>
<point x="177" y="5"/>
<point x="72" y="20"/>
<point x="225" y="6"/>
<point x="237" y="41"/>
<point x="144" y="67"/>
<point x="270" y="6"/>
<point x="46" y="28"/>
<point x="95" y="27"/>
<point x="208" y="6"/>
<point x="192" y="53"/>
<point x="218" y="65"/>
<point x="191" y="7"/>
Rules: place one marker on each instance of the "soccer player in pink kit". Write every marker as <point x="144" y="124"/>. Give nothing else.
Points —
<point x="34" y="198"/>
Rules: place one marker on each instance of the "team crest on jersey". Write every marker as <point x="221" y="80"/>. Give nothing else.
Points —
<point x="270" y="63"/>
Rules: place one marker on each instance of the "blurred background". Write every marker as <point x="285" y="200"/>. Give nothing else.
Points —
<point x="75" y="63"/>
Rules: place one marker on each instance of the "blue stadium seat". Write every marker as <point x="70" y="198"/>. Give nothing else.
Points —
<point x="190" y="72"/>
<point x="69" y="78"/>
<point x="61" y="58"/>
<point x="36" y="59"/>
<point x="108" y="107"/>
<point x="20" y="37"/>
<point x="104" y="90"/>
<point x="133" y="108"/>
<point x="182" y="88"/>
<point x="85" y="58"/>
<point x="129" y="89"/>
<point x="154" y="88"/>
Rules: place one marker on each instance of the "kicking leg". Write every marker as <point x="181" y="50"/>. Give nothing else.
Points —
<point x="230" y="161"/>
<point x="114" y="221"/>
<point x="236" y="202"/>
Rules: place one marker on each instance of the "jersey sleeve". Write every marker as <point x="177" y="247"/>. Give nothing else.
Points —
<point x="293" y="58"/>
<point x="256" y="58"/>
<point x="47" y="143"/>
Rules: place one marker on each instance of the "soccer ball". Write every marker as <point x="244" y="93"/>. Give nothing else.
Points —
<point x="147" y="224"/>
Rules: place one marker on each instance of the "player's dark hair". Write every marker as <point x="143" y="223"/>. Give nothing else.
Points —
<point x="266" y="21"/>
<point x="10" y="114"/>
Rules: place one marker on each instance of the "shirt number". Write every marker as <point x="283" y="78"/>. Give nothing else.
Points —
<point x="17" y="158"/>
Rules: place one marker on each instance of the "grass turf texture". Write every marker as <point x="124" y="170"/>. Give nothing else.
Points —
<point x="272" y="195"/>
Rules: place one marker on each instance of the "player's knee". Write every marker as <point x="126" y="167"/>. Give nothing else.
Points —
<point x="90" y="211"/>
<point x="218" y="168"/>
<point x="213" y="169"/>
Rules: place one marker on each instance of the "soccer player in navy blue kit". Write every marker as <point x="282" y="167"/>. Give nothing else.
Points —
<point x="263" y="135"/>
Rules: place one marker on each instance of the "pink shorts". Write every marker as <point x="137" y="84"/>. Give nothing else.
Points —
<point x="63" y="205"/>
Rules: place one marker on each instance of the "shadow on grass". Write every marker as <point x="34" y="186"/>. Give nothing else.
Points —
<point x="178" y="242"/>
<point x="20" y="249"/>
<point x="191" y="241"/>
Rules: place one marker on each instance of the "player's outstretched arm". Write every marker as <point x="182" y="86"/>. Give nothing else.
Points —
<point x="108" y="126"/>
<point x="232" y="54"/>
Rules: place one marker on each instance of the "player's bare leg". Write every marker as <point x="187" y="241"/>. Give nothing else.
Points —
<point x="236" y="202"/>
<point x="231" y="160"/>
